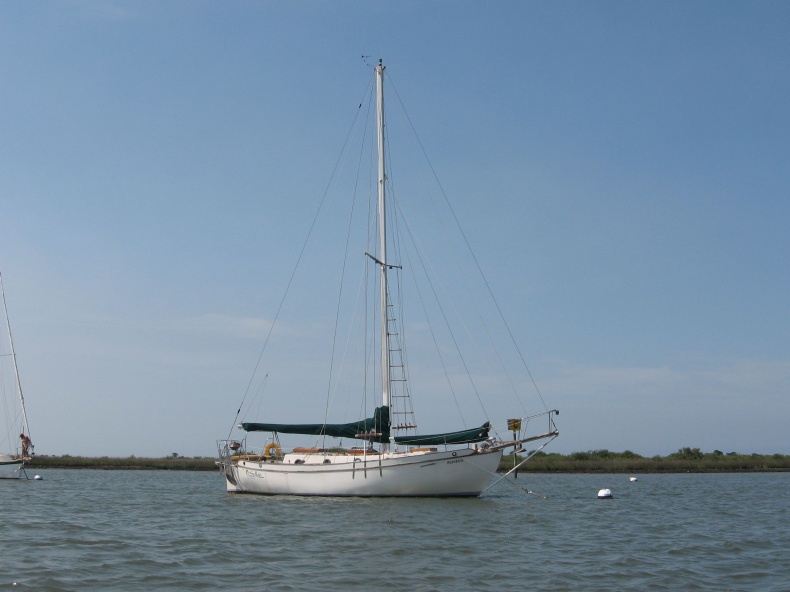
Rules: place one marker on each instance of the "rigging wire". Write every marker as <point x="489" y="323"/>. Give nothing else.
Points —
<point x="434" y="339"/>
<point x="401" y="402"/>
<point x="298" y="261"/>
<point x="447" y="323"/>
<point x="419" y="251"/>
<point x="345" y="261"/>
<point x="470" y="251"/>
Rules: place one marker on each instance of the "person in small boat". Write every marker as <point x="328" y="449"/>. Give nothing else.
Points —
<point x="27" y="445"/>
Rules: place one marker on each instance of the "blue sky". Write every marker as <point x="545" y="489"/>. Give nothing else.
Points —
<point x="620" y="169"/>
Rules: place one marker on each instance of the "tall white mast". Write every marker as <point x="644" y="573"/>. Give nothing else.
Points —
<point x="385" y="349"/>
<point x="13" y="357"/>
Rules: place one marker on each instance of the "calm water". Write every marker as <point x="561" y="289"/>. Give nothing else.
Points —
<point x="146" y="530"/>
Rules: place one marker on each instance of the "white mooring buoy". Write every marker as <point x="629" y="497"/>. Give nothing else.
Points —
<point x="632" y="479"/>
<point x="38" y="478"/>
<point x="605" y="494"/>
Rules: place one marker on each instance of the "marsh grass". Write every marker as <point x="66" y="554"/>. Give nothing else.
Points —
<point x="593" y="461"/>
<point x="682" y="461"/>
<point x="169" y="463"/>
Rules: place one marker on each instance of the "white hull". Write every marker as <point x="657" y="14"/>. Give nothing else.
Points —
<point x="10" y="467"/>
<point x="463" y="473"/>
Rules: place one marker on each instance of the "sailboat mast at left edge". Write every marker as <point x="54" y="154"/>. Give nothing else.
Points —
<point x="16" y="446"/>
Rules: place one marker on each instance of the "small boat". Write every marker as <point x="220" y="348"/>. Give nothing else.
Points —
<point x="390" y="457"/>
<point x="16" y="448"/>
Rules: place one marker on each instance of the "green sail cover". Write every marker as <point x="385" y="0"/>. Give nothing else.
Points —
<point x="462" y="437"/>
<point x="378" y="424"/>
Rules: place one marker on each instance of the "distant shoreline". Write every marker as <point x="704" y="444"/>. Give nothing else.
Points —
<point x="686" y="460"/>
<point x="110" y="463"/>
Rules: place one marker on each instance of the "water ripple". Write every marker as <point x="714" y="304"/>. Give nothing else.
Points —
<point x="139" y="530"/>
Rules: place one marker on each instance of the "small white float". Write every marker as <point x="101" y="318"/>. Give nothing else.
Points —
<point x="632" y="479"/>
<point x="605" y="494"/>
<point x="38" y="478"/>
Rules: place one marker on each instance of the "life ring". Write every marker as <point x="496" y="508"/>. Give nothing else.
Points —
<point x="272" y="446"/>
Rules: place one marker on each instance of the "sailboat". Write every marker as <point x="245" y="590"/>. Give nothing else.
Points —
<point x="18" y="448"/>
<point x="391" y="459"/>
